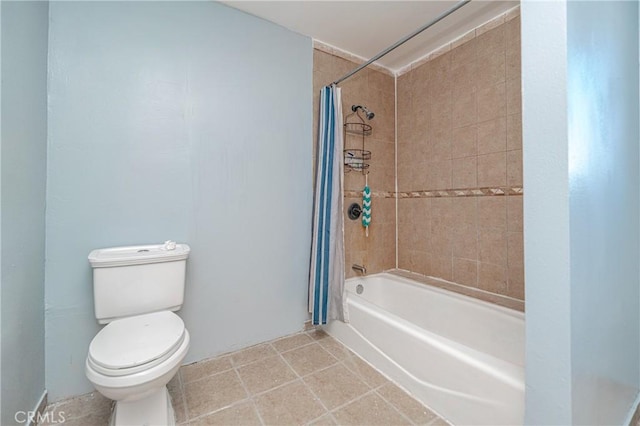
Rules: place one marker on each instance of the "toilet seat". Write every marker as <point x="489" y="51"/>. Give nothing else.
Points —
<point x="130" y="345"/>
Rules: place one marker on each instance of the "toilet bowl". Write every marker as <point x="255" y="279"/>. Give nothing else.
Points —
<point x="131" y="360"/>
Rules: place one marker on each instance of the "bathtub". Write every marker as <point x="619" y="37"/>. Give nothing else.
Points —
<point x="462" y="357"/>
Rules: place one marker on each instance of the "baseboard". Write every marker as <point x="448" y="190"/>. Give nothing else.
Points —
<point x="38" y="410"/>
<point x="635" y="417"/>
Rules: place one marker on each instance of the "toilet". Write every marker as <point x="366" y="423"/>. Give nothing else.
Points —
<point x="135" y="292"/>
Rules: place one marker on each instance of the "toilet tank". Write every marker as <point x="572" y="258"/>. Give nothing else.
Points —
<point x="137" y="280"/>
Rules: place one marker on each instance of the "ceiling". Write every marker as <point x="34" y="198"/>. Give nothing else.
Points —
<point x="364" y="28"/>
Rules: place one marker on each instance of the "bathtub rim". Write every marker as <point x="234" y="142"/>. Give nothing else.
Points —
<point x="472" y="293"/>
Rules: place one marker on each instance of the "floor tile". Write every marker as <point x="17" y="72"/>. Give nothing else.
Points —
<point x="367" y="373"/>
<point x="335" y="348"/>
<point x="292" y="404"/>
<point x="242" y="414"/>
<point x="292" y="342"/>
<point x="369" y="410"/>
<point x="199" y="370"/>
<point x="212" y="393"/>
<point x="408" y="406"/>
<point x="336" y="386"/>
<point x="88" y="420"/>
<point x="317" y="334"/>
<point x="310" y="358"/>
<point x="266" y="374"/>
<point x="84" y="405"/>
<point x="252" y="354"/>
<point x="326" y="420"/>
<point x="179" y="407"/>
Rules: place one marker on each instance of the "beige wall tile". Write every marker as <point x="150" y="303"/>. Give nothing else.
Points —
<point x="515" y="249"/>
<point x="439" y="174"/>
<point x="463" y="54"/>
<point x="492" y="170"/>
<point x="491" y="43"/>
<point x="492" y="136"/>
<point x="459" y="126"/>
<point x="514" y="213"/>
<point x="441" y="266"/>
<point x="490" y="70"/>
<point x="465" y="172"/>
<point x="513" y="62"/>
<point x="492" y="102"/>
<point x="441" y="212"/>
<point x="465" y="272"/>
<point x="463" y="142"/>
<point x="465" y="106"/>
<point x="464" y="75"/>
<point x="492" y="212"/>
<point x="514" y="167"/>
<point x="516" y="282"/>
<point x="513" y="96"/>
<point x="464" y="211"/>
<point x="514" y="132"/>
<point x="465" y="242"/>
<point x="492" y="278"/>
<point x="492" y="246"/>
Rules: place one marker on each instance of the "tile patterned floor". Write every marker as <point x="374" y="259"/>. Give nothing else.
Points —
<point x="304" y="379"/>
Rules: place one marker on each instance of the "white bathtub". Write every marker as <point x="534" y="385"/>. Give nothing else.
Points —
<point x="462" y="357"/>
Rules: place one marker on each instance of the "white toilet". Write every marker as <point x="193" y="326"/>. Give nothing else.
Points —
<point x="141" y="348"/>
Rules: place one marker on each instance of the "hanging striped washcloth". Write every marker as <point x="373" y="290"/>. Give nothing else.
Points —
<point x="366" y="208"/>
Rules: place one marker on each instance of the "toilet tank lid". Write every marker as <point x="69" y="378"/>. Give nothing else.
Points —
<point x="138" y="255"/>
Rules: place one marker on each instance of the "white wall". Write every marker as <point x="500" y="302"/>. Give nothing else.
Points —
<point x="23" y="166"/>
<point x="178" y="120"/>
<point x="580" y="147"/>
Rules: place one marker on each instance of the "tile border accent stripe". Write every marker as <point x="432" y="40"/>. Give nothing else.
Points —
<point x="443" y="193"/>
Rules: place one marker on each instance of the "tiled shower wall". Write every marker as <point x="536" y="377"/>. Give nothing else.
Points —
<point x="460" y="162"/>
<point x="375" y="90"/>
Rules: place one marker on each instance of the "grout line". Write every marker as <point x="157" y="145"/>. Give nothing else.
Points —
<point x="394" y="406"/>
<point x="250" y="396"/>
<point x="316" y="397"/>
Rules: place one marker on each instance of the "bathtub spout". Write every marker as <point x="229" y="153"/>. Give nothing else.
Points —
<point x="360" y="268"/>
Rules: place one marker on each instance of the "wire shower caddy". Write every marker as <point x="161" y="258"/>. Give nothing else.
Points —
<point x="356" y="159"/>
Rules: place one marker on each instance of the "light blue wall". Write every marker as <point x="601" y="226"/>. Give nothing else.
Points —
<point x="580" y="147"/>
<point x="603" y="183"/>
<point x="23" y="178"/>
<point x="546" y="213"/>
<point x="188" y="121"/>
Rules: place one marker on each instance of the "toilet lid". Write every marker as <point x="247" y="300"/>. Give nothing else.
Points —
<point x="134" y="341"/>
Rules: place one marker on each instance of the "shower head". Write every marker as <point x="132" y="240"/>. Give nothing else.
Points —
<point x="367" y="113"/>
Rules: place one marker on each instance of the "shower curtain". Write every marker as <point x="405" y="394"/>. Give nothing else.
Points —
<point x="326" y="277"/>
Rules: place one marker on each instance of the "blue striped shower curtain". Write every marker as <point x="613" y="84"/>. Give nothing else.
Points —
<point x="326" y="278"/>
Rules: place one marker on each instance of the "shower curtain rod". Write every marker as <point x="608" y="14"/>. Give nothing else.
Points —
<point x="403" y="41"/>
